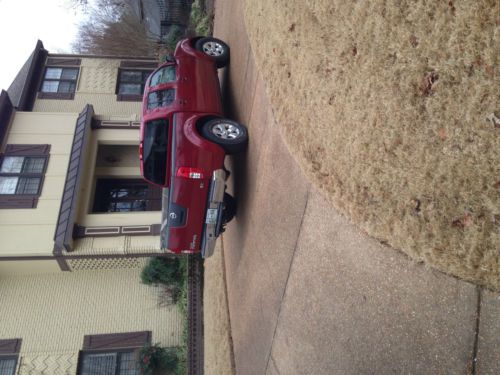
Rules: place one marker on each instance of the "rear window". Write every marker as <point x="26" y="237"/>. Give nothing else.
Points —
<point x="164" y="75"/>
<point x="154" y="157"/>
<point x="161" y="98"/>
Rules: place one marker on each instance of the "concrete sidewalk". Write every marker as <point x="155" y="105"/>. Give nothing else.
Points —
<point x="308" y="292"/>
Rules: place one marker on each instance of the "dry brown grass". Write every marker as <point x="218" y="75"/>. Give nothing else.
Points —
<point x="384" y="103"/>
<point x="216" y="318"/>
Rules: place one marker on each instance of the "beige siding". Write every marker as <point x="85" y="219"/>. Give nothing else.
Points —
<point x="96" y="86"/>
<point x="32" y="267"/>
<point x="31" y="231"/>
<point x="53" y="313"/>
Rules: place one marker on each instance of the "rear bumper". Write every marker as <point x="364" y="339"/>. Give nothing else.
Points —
<point x="212" y="230"/>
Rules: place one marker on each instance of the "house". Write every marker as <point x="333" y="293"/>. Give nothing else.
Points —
<point x="77" y="223"/>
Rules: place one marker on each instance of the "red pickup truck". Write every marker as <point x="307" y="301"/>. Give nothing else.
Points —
<point x="184" y="140"/>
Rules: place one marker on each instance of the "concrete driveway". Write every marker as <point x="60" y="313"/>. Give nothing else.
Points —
<point x="308" y="292"/>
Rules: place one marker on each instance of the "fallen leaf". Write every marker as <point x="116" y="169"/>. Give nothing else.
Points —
<point x="442" y="134"/>
<point x="426" y="87"/>
<point x="413" y="41"/>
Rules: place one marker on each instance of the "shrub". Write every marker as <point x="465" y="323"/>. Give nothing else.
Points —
<point x="163" y="270"/>
<point x="153" y="360"/>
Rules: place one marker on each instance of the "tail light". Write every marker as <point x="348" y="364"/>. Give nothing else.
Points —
<point x="188" y="172"/>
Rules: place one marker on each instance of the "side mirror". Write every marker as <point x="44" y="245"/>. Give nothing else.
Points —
<point x="168" y="58"/>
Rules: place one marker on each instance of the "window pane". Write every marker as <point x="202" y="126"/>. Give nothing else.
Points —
<point x="164" y="75"/>
<point x="131" y="76"/>
<point x="34" y="165"/>
<point x="161" y="98"/>
<point x="7" y="366"/>
<point x="67" y="87"/>
<point x="130" y="88"/>
<point x="99" y="364"/>
<point x="12" y="164"/>
<point x="8" y="185"/>
<point x="50" y="86"/>
<point x="70" y="74"/>
<point x="28" y="186"/>
<point x="128" y="364"/>
<point x="53" y="73"/>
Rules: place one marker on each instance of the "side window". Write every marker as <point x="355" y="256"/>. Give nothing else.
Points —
<point x="163" y="75"/>
<point x="130" y="84"/>
<point x="22" y="171"/>
<point x="161" y="98"/>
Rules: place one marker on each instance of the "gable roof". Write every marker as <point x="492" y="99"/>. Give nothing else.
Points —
<point x="23" y="88"/>
<point x="5" y="114"/>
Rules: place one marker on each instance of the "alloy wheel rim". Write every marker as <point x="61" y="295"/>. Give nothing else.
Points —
<point x="213" y="48"/>
<point x="226" y="131"/>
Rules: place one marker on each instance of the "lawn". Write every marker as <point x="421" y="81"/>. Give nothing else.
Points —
<point x="389" y="106"/>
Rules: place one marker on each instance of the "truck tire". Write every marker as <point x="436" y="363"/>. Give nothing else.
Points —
<point x="229" y="208"/>
<point x="230" y="135"/>
<point x="215" y="48"/>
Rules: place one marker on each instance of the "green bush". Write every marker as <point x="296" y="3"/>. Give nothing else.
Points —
<point x="200" y="22"/>
<point x="153" y="360"/>
<point x="175" y="34"/>
<point x="163" y="270"/>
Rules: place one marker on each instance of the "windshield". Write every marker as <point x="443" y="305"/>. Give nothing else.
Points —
<point x="155" y="146"/>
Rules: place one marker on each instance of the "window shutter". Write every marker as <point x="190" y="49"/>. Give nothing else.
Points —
<point x="139" y="64"/>
<point x="128" y="98"/>
<point x="63" y="61"/>
<point x="27" y="150"/>
<point x="56" y="95"/>
<point x="10" y="346"/>
<point x="20" y="201"/>
<point x="116" y="340"/>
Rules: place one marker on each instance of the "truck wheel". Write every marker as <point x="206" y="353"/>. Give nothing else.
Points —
<point x="230" y="135"/>
<point x="229" y="210"/>
<point x="215" y="48"/>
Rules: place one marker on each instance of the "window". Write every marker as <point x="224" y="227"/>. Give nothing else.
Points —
<point x="9" y="351"/>
<point x="22" y="171"/>
<point x="126" y="195"/>
<point x="109" y="363"/>
<point x="163" y="75"/>
<point x="131" y="83"/>
<point x="59" y="83"/>
<point x="111" y="354"/>
<point x="161" y="98"/>
<point x="155" y="145"/>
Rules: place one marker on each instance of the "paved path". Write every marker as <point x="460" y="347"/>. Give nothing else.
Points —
<point x="308" y="292"/>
